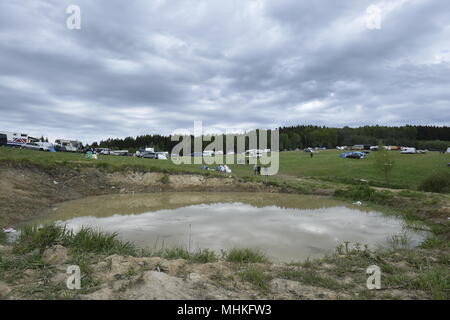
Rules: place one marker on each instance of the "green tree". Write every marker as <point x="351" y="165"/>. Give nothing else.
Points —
<point x="384" y="162"/>
<point x="296" y="140"/>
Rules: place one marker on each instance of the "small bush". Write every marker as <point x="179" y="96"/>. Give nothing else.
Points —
<point x="172" y="253"/>
<point x="40" y="237"/>
<point x="89" y="240"/>
<point x="164" y="179"/>
<point x="361" y="192"/>
<point x="203" y="256"/>
<point x="364" y="192"/>
<point x="246" y="255"/>
<point x="199" y="256"/>
<point x="256" y="277"/>
<point x="437" y="182"/>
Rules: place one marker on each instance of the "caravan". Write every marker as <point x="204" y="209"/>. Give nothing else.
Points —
<point x="408" y="150"/>
<point x="14" y="137"/>
<point x="68" y="145"/>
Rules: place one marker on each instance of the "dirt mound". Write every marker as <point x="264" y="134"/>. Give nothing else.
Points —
<point x="28" y="192"/>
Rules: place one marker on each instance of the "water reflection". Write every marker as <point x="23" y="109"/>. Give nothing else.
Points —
<point x="287" y="227"/>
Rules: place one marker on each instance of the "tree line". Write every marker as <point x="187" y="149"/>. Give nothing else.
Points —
<point x="302" y="136"/>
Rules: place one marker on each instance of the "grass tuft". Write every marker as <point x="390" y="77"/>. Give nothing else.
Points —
<point x="256" y="276"/>
<point x="40" y="237"/>
<point x="91" y="240"/>
<point x="86" y="240"/>
<point x="245" y="255"/>
<point x="310" y="277"/>
<point x="437" y="182"/>
<point x="2" y="237"/>
<point x="198" y="256"/>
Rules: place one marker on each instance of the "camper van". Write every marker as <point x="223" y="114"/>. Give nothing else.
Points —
<point x="68" y="145"/>
<point x="15" y="137"/>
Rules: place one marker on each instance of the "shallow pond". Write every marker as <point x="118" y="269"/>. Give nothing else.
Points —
<point x="287" y="227"/>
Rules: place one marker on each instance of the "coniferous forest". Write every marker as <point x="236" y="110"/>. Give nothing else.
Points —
<point x="302" y="136"/>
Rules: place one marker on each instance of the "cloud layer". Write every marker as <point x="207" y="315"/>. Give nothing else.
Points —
<point x="153" y="66"/>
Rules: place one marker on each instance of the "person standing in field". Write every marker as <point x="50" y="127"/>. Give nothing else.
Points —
<point x="311" y="154"/>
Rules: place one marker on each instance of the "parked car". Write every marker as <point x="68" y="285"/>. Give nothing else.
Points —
<point x="31" y="146"/>
<point x="149" y="155"/>
<point x="162" y="155"/>
<point x="355" y="155"/>
<point x="119" y="152"/>
<point x="41" y="146"/>
<point x="103" y="150"/>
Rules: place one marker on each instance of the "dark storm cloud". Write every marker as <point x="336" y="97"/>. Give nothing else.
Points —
<point x="154" y="66"/>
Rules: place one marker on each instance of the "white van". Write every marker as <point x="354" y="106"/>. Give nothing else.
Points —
<point x="408" y="150"/>
<point x="68" y="145"/>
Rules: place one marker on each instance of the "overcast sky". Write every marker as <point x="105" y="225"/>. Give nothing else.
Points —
<point x="152" y="66"/>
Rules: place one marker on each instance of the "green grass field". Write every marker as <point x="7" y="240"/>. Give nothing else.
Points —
<point x="408" y="172"/>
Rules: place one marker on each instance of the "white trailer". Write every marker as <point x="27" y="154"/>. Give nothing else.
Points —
<point x="15" y="137"/>
<point x="408" y="150"/>
<point x="68" y="145"/>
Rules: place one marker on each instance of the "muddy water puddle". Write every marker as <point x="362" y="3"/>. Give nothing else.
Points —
<point x="287" y="227"/>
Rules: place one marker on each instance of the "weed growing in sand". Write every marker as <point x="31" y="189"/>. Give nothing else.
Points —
<point x="256" y="276"/>
<point x="244" y="255"/>
<point x="310" y="277"/>
<point x="85" y="240"/>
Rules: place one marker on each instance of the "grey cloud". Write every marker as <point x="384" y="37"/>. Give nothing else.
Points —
<point x="149" y="67"/>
